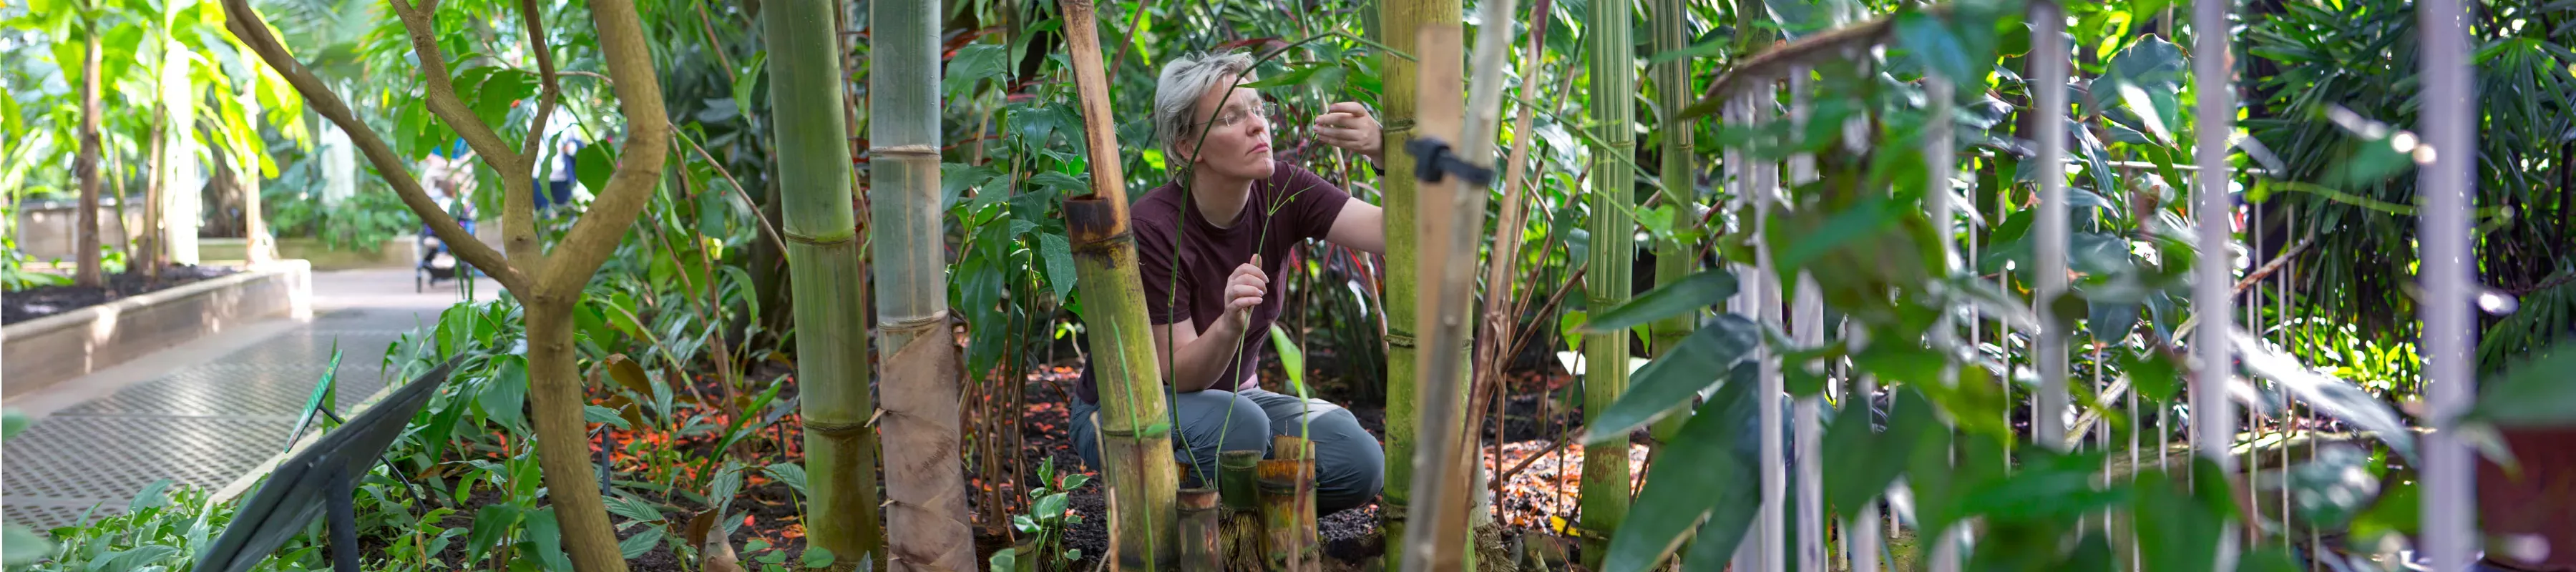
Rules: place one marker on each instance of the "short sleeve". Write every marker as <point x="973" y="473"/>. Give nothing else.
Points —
<point x="1313" y="202"/>
<point x="1155" y="261"/>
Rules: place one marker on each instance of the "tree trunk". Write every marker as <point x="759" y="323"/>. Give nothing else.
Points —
<point x="826" y="279"/>
<point x="147" y="255"/>
<point x="925" y="478"/>
<point x="1135" y="425"/>
<point x="555" y="404"/>
<point x="1674" y="260"/>
<point x="548" y="281"/>
<point x="85" y="245"/>
<point x="1605" y="355"/>
<point x="1400" y="21"/>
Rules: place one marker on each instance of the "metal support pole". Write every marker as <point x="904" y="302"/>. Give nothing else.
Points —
<point x="2448" y="121"/>
<point x="2048" y="63"/>
<point x="2213" y="417"/>
<point x="1939" y="157"/>
<point x="1772" y="545"/>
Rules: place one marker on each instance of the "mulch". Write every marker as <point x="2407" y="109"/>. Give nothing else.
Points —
<point x="50" y="300"/>
<point x="1535" y="500"/>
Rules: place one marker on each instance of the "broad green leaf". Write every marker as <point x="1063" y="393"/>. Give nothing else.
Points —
<point x="1677" y="377"/>
<point x="791" y="473"/>
<point x="973" y="62"/>
<point x="1060" y="273"/>
<point x="2330" y="490"/>
<point x="592" y="165"/>
<point x="728" y="482"/>
<point x="1702" y="475"/>
<point x="153" y="495"/>
<point x="1936" y="47"/>
<point x="132" y="558"/>
<point x="643" y="541"/>
<point x="634" y="508"/>
<point x="2269" y="559"/>
<point x="490" y="523"/>
<point x="2326" y="394"/>
<point x="11" y="422"/>
<point x="1701" y="290"/>
<point x="19" y="546"/>
<point x="1050" y="507"/>
<point x="1291" y="358"/>
<point x="547" y="536"/>
<point x="506" y="393"/>
<point x="1004" y="560"/>
<point x="598" y="414"/>
<point x="2176" y="532"/>
<point x="817" y="557"/>
<point x="1861" y="461"/>
<point x="956" y="178"/>
<point x="2157" y="375"/>
<point x="2533" y="392"/>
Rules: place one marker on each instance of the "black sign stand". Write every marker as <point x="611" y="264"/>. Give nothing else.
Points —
<point x="324" y="476"/>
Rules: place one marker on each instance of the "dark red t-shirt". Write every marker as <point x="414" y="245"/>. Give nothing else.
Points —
<point x="1187" y="283"/>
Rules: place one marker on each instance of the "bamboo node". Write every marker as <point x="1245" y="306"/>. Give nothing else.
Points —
<point x="829" y="429"/>
<point x="904" y="151"/>
<point x="915" y="326"/>
<point x="1399" y="340"/>
<point x="834" y="238"/>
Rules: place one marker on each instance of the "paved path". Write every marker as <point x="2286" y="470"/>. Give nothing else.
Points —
<point x="210" y="411"/>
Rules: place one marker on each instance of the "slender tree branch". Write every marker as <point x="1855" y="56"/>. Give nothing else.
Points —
<point x="421" y="25"/>
<point x="246" y="24"/>
<point x="766" y="228"/>
<point x="519" y="210"/>
<point x="639" y="162"/>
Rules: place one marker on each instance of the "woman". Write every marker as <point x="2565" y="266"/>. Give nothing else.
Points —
<point x="1211" y="246"/>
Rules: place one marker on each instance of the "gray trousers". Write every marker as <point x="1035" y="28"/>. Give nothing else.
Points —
<point x="1350" y="464"/>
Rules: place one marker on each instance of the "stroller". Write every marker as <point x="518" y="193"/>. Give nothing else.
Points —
<point x="435" y="262"/>
<point x="432" y="260"/>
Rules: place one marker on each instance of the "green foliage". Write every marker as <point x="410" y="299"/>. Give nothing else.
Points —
<point x="1042" y="529"/>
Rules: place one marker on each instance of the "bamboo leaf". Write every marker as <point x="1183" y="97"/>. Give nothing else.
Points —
<point x="1702" y="476"/>
<point x="2327" y="394"/>
<point x="1677" y="377"/>
<point x="1701" y="290"/>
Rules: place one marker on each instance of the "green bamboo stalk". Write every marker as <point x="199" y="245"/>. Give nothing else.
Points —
<point x="924" y="474"/>
<point x="1239" y="483"/>
<point x="1134" y="423"/>
<point x="1605" y="355"/>
<point x="1674" y="259"/>
<point x="1399" y="22"/>
<point x="826" y="280"/>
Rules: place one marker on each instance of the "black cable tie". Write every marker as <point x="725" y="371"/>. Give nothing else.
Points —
<point x="1433" y="159"/>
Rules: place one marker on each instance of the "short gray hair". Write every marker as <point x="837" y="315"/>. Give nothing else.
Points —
<point x="1176" y="95"/>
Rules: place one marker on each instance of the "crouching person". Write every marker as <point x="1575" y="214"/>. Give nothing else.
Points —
<point x="1212" y="247"/>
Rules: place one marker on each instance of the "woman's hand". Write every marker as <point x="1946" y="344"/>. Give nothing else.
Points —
<point x="1243" y="292"/>
<point x="1347" y="125"/>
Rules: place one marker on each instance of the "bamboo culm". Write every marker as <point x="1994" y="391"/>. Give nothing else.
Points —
<point x="826" y="281"/>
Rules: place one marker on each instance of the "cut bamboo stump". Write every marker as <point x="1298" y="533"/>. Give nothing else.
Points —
<point x="1202" y="547"/>
<point x="1239" y="483"/>
<point x="1287" y="484"/>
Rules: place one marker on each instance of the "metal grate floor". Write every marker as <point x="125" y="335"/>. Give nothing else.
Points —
<point x="201" y="425"/>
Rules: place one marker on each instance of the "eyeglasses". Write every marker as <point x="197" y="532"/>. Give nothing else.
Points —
<point x="1237" y="114"/>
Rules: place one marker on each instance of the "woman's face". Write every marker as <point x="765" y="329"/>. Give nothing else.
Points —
<point x="1237" y="128"/>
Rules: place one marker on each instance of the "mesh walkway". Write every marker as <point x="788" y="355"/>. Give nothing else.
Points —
<point x="205" y="421"/>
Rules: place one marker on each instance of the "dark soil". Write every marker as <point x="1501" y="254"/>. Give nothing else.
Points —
<point x="50" y="300"/>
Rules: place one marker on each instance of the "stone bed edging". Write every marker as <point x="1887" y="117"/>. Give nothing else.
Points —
<point x="40" y="353"/>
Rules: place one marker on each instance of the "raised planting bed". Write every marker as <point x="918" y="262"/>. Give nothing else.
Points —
<point x="70" y="332"/>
